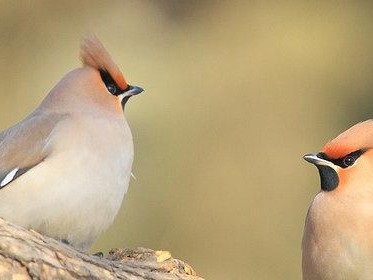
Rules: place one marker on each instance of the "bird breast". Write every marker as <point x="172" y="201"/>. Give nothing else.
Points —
<point x="335" y="241"/>
<point x="76" y="192"/>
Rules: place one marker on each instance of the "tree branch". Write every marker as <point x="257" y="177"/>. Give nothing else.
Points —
<point x="26" y="254"/>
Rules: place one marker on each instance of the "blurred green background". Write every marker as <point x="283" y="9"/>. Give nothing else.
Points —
<point x="236" y="93"/>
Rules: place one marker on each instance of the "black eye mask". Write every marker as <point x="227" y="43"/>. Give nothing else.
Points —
<point x="346" y="161"/>
<point x="110" y="84"/>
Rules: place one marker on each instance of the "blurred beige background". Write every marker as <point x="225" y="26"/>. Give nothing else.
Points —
<point x="236" y="93"/>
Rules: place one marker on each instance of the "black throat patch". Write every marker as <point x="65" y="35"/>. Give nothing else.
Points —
<point x="328" y="178"/>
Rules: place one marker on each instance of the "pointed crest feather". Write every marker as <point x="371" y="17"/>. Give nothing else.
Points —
<point x="94" y="54"/>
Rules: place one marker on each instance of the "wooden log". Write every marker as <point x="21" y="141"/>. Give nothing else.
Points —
<point x="26" y="254"/>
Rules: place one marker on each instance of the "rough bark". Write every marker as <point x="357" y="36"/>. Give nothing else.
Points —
<point x="26" y="254"/>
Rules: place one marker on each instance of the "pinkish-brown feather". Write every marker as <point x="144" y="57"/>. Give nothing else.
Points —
<point x="94" y="54"/>
<point x="359" y="136"/>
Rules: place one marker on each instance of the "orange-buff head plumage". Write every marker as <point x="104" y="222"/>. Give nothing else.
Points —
<point x="94" y="54"/>
<point x="338" y="233"/>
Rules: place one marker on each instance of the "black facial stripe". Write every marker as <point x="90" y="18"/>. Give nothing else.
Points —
<point x="108" y="80"/>
<point x="341" y="161"/>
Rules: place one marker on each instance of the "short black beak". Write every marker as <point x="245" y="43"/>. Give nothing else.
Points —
<point x="314" y="159"/>
<point x="133" y="90"/>
<point x="328" y="175"/>
<point x="130" y="91"/>
<point x="311" y="158"/>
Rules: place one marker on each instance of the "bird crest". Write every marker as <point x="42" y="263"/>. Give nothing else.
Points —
<point x="357" y="137"/>
<point x="94" y="54"/>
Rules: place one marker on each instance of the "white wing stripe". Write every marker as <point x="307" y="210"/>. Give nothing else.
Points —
<point x="9" y="177"/>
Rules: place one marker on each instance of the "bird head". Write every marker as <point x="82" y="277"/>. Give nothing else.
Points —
<point x="98" y="83"/>
<point x="94" y="55"/>
<point x="346" y="161"/>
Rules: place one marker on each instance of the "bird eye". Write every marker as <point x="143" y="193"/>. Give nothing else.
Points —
<point x="109" y="82"/>
<point x="111" y="88"/>
<point x="348" y="161"/>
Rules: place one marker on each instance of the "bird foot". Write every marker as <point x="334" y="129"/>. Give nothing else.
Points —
<point x="99" y="255"/>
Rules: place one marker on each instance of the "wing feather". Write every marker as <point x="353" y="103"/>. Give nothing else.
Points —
<point x="24" y="145"/>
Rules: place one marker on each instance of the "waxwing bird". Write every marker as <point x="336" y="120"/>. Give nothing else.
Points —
<point x="65" y="169"/>
<point x="338" y="233"/>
